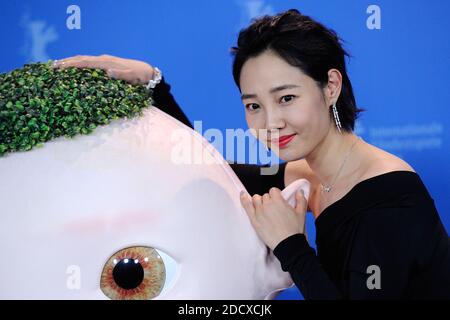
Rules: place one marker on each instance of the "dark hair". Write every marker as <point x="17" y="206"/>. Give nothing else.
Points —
<point x="303" y="43"/>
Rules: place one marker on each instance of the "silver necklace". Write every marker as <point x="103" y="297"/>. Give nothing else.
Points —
<point x="327" y="188"/>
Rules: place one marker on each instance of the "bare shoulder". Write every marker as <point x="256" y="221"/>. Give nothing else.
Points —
<point x="378" y="161"/>
<point x="382" y="161"/>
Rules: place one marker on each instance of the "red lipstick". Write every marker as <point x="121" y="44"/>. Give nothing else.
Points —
<point x="284" y="140"/>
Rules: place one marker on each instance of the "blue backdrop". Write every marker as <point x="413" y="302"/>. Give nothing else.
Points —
<point x="399" y="69"/>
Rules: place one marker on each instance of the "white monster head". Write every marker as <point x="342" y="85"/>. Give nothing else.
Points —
<point x="112" y="214"/>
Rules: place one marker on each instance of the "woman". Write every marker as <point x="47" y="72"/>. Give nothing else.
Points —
<point x="378" y="233"/>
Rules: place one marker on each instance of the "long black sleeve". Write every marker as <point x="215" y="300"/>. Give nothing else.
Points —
<point x="407" y="244"/>
<point x="300" y="260"/>
<point x="250" y="175"/>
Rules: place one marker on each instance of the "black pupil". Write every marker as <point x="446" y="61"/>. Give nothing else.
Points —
<point x="128" y="274"/>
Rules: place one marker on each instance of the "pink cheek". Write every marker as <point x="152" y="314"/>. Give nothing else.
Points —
<point x="296" y="119"/>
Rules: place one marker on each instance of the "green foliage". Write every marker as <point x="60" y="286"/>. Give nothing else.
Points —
<point x="39" y="103"/>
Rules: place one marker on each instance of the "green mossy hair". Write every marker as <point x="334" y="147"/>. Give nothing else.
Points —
<point x="39" y="103"/>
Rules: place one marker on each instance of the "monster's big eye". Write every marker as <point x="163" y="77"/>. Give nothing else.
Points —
<point x="133" y="273"/>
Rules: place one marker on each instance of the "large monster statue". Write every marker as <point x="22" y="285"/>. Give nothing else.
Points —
<point x="122" y="213"/>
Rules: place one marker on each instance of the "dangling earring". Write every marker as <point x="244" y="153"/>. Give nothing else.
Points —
<point x="336" y="118"/>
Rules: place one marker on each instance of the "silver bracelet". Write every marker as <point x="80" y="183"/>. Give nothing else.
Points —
<point x="157" y="77"/>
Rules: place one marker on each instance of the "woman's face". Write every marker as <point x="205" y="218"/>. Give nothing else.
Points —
<point x="282" y="99"/>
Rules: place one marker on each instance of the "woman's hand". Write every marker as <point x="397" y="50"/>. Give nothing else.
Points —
<point x="273" y="218"/>
<point x="132" y="71"/>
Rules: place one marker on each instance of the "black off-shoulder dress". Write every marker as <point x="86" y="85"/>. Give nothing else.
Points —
<point x="383" y="240"/>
